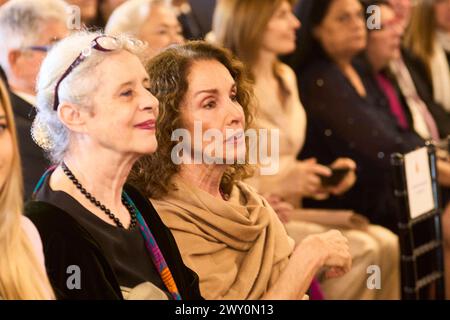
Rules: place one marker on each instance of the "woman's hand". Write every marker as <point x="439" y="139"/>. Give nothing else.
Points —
<point x="331" y="249"/>
<point x="349" y="180"/>
<point x="328" y="249"/>
<point x="282" y="208"/>
<point x="306" y="177"/>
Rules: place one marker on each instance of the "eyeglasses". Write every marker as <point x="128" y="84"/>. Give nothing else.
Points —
<point x="44" y="49"/>
<point x="101" y="43"/>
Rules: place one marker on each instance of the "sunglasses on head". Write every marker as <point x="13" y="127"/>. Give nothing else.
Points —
<point x="101" y="43"/>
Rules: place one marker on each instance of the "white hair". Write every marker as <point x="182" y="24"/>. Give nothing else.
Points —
<point x="129" y="17"/>
<point x="21" y="22"/>
<point x="77" y="88"/>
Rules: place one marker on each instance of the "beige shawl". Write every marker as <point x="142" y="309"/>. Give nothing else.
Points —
<point x="238" y="247"/>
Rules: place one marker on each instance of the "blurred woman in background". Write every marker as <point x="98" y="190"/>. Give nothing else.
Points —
<point x="152" y="21"/>
<point x="428" y="39"/>
<point x="387" y="73"/>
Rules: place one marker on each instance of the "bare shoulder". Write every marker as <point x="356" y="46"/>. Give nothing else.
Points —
<point x="288" y="74"/>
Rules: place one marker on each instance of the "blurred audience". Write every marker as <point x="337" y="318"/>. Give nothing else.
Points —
<point x="106" y="8"/>
<point x="199" y="17"/>
<point x="428" y="39"/>
<point x="402" y="9"/>
<point x="279" y="108"/>
<point x="152" y="21"/>
<point x="28" y="29"/>
<point x="344" y="119"/>
<point x="187" y="19"/>
<point x="390" y="75"/>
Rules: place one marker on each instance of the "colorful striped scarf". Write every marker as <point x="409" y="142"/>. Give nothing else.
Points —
<point x="150" y="243"/>
<point x="155" y="253"/>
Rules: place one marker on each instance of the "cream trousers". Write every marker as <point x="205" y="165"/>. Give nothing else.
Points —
<point x="375" y="247"/>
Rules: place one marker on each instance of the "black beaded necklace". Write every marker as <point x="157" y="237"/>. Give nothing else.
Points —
<point x="98" y="204"/>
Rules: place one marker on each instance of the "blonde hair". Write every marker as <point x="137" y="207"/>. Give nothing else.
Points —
<point x="239" y="24"/>
<point x="21" y="277"/>
<point x="420" y="34"/>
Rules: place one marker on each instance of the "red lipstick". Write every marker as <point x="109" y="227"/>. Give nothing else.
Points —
<point x="146" y="125"/>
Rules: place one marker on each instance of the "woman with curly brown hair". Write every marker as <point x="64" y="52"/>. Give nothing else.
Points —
<point x="227" y="233"/>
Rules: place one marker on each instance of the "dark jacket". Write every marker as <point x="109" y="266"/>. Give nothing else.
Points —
<point x="376" y="93"/>
<point x="424" y="89"/>
<point x="33" y="159"/>
<point x="343" y="124"/>
<point x="201" y="16"/>
<point x="68" y="243"/>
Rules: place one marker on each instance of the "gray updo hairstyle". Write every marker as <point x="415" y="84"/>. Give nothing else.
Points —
<point x="77" y="88"/>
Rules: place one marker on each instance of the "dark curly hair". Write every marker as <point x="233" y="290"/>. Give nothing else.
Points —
<point x="168" y="74"/>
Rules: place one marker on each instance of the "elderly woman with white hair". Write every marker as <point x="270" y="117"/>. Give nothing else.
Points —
<point x="96" y="117"/>
<point x="152" y="21"/>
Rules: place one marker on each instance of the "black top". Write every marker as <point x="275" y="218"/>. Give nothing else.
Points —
<point x="78" y="239"/>
<point x="34" y="162"/>
<point x="124" y="249"/>
<point x="341" y="123"/>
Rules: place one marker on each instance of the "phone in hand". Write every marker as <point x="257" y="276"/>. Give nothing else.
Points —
<point x="337" y="175"/>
